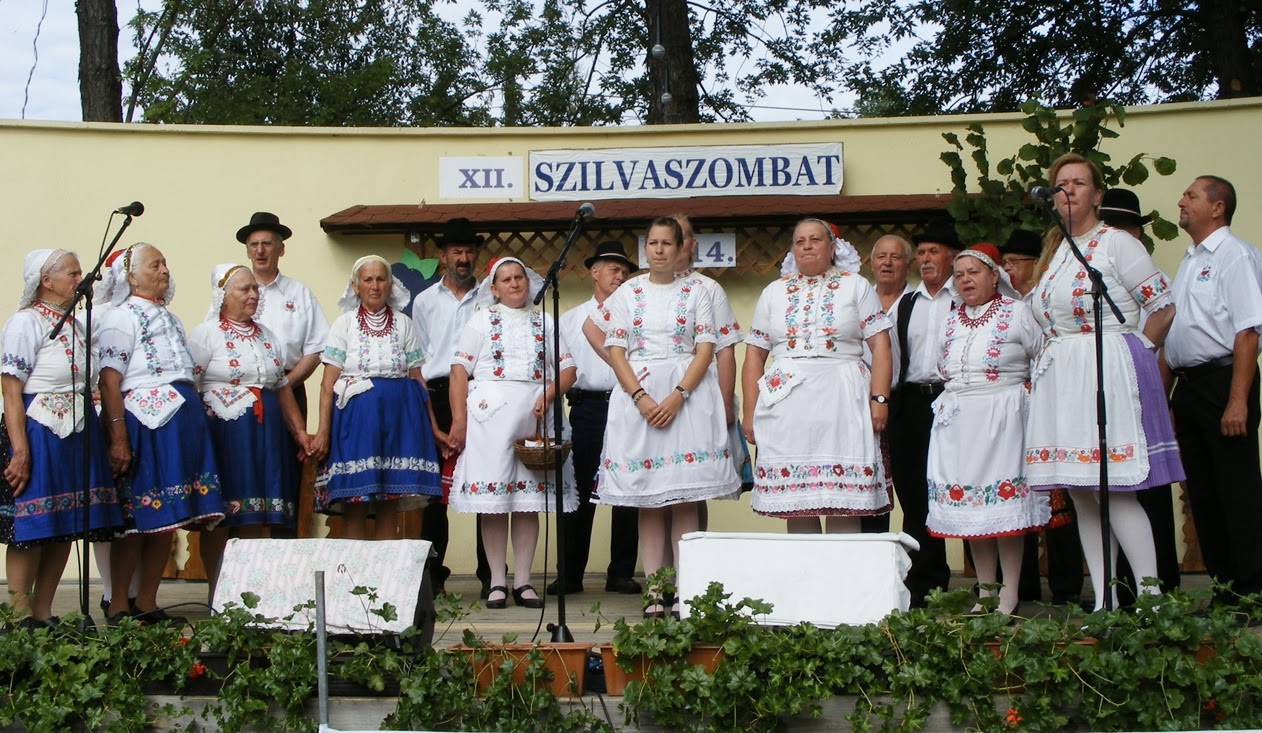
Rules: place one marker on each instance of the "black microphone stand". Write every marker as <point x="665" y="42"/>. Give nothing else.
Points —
<point x="1098" y="293"/>
<point x="84" y="292"/>
<point x="560" y="631"/>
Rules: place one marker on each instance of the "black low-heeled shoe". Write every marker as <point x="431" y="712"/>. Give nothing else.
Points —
<point x="519" y="597"/>
<point x="498" y="602"/>
<point x="657" y="603"/>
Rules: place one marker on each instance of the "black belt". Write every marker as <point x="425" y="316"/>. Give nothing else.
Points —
<point x="928" y="389"/>
<point x="1203" y="370"/>
<point x="575" y="396"/>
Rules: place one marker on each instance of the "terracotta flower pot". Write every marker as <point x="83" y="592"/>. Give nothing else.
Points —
<point x="707" y="657"/>
<point x="562" y="659"/>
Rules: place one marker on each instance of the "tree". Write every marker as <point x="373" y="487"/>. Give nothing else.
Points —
<point x="100" y="85"/>
<point x="991" y="55"/>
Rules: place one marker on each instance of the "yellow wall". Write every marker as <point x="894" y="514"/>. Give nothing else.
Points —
<point x="199" y="184"/>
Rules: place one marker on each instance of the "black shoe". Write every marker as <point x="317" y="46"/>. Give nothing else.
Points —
<point x="656" y="608"/>
<point x="117" y="618"/>
<point x="622" y="585"/>
<point x="498" y="602"/>
<point x="571" y="587"/>
<point x="30" y="623"/>
<point x="519" y="597"/>
<point x="485" y="592"/>
<point x="105" y="605"/>
<point x="158" y="616"/>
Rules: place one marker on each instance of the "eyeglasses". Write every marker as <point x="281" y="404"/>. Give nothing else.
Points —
<point x="1016" y="260"/>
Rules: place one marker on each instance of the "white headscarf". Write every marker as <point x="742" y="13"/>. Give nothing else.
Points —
<point x="122" y="288"/>
<point x="397" y="299"/>
<point x="845" y="256"/>
<point x="111" y="276"/>
<point x="485" y="298"/>
<point x="1004" y="285"/>
<point x="219" y="277"/>
<point x="37" y="264"/>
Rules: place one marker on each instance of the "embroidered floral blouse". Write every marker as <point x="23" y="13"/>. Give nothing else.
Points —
<point x="990" y="345"/>
<point x="653" y="321"/>
<point x="359" y="352"/>
<point x="509" y="344"/>
<point x="45" y="367"/>
<point x="727" y="330"/>
<point x="1062" y="298"/>
<point x="145" y="343"/>
<point x="828" y="315"/>
<point x="229" y="363"/>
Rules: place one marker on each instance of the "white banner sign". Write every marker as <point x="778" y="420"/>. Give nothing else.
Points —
<point x="713" y="250"/>
<point x="480" y="178"/>
<point x="734" y="170"/>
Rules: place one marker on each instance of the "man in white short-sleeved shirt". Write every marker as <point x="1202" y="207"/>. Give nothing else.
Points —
<point x="589" y="407"/>
<point x="1212" y="352"/>
<point x="440" y="313"/>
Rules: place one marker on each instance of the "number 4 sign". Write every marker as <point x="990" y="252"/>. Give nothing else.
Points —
<point x="713" y="250"/>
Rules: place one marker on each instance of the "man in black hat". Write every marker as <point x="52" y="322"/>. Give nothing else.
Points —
<point x="287" y="307"/>
<point x="1212" y="350"/>
<point x="589" y="407"/>
<point x="440" y="313"/>
<point x="920" y="319"/>
<point x="1119" y="208"/>
<point x="1019" y="256"/>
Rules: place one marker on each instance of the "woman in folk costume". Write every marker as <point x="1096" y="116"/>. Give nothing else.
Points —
<point x="666" y="440"/>
<point x="1062" y="450"/>
<point x="502" y="391"/>
<point x="159" y="446"/>
<point x="977" y="487"/>
<point x="376" y="424"/>
<point x="250" y="411"/>
<point x="817" y="414"/>
<point x="46" y="430"/>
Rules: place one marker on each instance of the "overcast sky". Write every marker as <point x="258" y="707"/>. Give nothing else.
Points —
<point x="54" y="87"/>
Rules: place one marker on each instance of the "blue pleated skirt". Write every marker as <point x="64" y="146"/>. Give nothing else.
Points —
<point x="257" y="473"/>
<point x="381" y="447"/>
<point x="173" y="480"/>
<point x="50" y="508"/>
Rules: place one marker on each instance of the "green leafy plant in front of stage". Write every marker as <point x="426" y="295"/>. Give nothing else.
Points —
<point x="998" y="200"/>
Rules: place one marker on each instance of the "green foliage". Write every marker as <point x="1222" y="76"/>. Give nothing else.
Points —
<point x="988" y="207"/>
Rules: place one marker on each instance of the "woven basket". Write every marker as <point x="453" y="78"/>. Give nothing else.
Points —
<point x="540" y="457"/>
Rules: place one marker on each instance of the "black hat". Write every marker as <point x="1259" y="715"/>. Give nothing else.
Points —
<point x="1119" y="207"/>
<point x="1023" y="242"/>
<point x="610" y="251"/>
<point x="939" y="233"/>
<point x="459" y="231"/>
<point x="264" y="221"/>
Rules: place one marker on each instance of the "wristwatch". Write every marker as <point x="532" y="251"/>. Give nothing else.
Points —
<point x="880" y="399"/>
<point x="683" y="392"/>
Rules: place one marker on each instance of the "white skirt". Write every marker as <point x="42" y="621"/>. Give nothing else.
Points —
<point x="1062" y="441"/>
<point x="975" y="470"/>
<point x="488" y="478"/>
<point x="688" y="460"/>
<point x="817" y="452"/>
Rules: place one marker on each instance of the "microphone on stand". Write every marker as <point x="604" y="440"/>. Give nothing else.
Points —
<point x="1043" y="194"/>
<point x="586" y="211"/>
<point x="135" y="208"/>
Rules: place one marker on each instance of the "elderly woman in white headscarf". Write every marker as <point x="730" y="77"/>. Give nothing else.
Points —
<point x="251" y="412"/>
<point x="46" y="434"/>
<point x="376" y="423"/>
<point x="159" y="447"/>
<point x="817" y="413"/>
<point x="501" y="389"/>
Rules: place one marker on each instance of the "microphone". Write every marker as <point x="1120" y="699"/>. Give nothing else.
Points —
<point x="1044" y="193"/>
<point x="586" y="211"/>
<point x="135" y="208"/>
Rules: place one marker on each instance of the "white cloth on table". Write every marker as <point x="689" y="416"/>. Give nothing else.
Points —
<point x="45" y="367"/>
<point x="227" y="364"/>
<point x="1061" y="437"/>
<point x="508" y="353"/>
<point x="440" y="319"/>
<point x="659" y="325"/>
<point x="817" y="452"/>
<point x="976" y="460"/>
<point x="293" y="314"/>
<point x="1217" y="294"/>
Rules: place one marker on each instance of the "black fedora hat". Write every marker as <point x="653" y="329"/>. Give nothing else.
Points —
<point x="1023" y="242"/>
<point x="459" y="231"/>
<point x="264" y="220"/>
<point x="1120" y="207"/>
<point x="938" y="233"/>
<point x="610" y="251"/>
